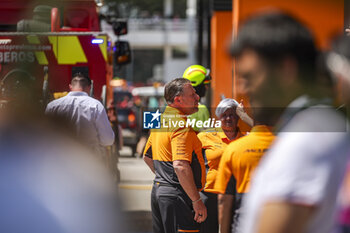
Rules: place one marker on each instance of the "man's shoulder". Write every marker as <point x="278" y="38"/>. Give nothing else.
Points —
<point x="240" y="142"/>
<point x="56" y="102"/>
<point x="319" y="118"/>
<point x="233" y="148"/>
<point x="313" y="135"/>
<point x="93" y="100"/>
<point x="245" y="144"/>
<point x="86" y="100"/>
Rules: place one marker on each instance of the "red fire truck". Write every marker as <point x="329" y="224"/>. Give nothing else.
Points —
<point x="52" y="42"/>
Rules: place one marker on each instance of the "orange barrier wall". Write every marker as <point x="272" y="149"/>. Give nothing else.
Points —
<point x="221" y="62"/>
<point x="325" y="18"/>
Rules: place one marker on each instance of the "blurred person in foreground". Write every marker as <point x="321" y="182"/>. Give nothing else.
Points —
<point x="214" y="141"/>
<point x="174" y="154"/>
<point x="48" y="182"/>
<point x="295" y="186"/>
<point x="87" y="115"/>
<point x="338" y="62"/>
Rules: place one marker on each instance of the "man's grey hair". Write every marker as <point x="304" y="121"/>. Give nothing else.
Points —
<point x="174" y="88"/>
<point x="224" y="105"/>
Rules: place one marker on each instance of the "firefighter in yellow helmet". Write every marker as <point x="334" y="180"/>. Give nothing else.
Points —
<point x="199" y="77"/>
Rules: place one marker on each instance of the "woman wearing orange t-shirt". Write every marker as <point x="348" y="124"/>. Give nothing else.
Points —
<point x="214" y="142"/>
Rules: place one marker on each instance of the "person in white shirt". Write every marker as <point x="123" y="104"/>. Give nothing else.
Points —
<point x="296" y="184"/>
<point x="86" y="114"/>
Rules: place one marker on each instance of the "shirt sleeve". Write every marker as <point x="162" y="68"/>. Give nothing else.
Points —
<point x="148" y="148"/>
<point x="225" y="178"/>
<point x="103" y="127"/>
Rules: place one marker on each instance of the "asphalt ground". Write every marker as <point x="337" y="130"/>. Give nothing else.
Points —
<point x="135" y="190"/>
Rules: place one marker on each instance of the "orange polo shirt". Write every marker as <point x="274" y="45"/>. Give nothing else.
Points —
<point x="175" y="142"/>
<point x="214" y="143"/>
<point x="240" y="159"/>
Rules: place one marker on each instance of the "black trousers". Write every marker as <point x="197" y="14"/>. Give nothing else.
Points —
<point x="211" y="224"/>
<point x="172" y="210"/>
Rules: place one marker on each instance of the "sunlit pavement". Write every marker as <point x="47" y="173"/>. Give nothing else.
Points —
<point x="135" y="190"/>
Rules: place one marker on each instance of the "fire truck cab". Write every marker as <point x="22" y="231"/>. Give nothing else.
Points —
<point x="52" y="42"/>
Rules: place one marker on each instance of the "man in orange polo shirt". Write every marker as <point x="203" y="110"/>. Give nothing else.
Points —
<point x="174" y="154"/>
<point x="237" y="163"/>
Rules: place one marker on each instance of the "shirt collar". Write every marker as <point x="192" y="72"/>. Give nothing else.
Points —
<point x="223" y="136"/>
<point x="77" y="93"/>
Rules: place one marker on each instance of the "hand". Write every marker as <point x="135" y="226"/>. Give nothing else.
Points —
<point x="347" y="31"/>
<point x="200" y="211"/>
<point x="243" y="115"/>
<point x="240" y="110"/>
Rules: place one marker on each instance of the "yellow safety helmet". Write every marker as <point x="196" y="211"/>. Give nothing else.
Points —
<point x="197" y="74"/>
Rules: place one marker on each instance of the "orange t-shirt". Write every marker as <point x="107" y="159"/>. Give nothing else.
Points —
<point x="214" y="143"/>
<point x="240" y="159"/>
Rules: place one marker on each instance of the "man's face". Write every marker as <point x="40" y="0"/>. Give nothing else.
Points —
<point x="252" y="73"/>
<point x="188" y="101"/>
<point x="263" y="84"/>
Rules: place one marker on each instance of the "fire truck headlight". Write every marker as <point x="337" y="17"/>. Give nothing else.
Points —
<point x="97" y="41"/>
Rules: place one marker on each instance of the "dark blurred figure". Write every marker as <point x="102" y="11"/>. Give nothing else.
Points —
<point x="113" y="159"/>
<point x="19" y="95"/>
<point x="295" y="186"/>
<point x="48" y="183"/>
<point x="338" y="61"/>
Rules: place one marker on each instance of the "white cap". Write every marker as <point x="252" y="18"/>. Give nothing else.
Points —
<point x="224" y="105"/>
